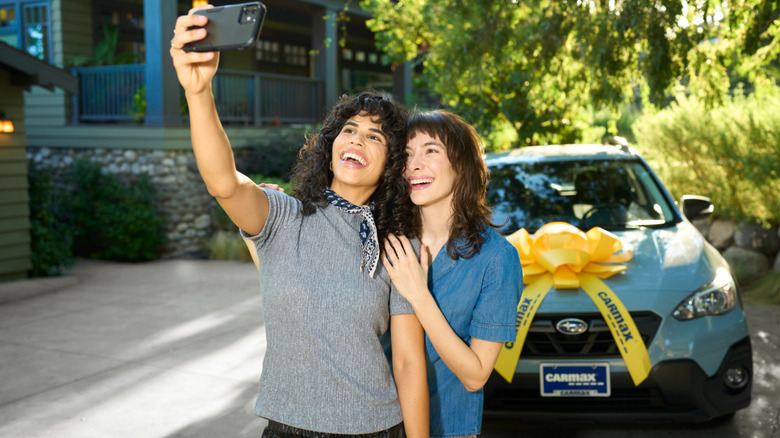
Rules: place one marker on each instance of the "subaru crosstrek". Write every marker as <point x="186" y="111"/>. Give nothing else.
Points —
<point x="676" y="287"/>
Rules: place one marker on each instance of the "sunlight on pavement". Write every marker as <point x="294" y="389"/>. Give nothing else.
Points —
<point x="151" y="400"/>
<point x="201" y="325"/>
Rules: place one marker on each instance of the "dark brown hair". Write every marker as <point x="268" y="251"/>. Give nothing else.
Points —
<point x="312" y="173"/>
<point x="471" y="214"/>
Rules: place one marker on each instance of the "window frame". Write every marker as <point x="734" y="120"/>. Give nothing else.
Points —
<point x="20" y="30"/>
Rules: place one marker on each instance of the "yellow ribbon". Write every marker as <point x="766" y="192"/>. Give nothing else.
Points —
<point x="559" y="255"/>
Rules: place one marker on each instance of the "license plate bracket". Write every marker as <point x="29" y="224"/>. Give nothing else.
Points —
<point x="574" y="380"/>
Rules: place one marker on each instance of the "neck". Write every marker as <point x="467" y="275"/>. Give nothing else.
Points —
<point x="355" y="195"/>
<point x="436" y="224"/>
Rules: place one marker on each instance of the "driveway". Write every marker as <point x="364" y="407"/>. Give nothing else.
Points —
<point x="174" y="348"/>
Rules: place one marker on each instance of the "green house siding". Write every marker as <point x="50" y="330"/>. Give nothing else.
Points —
<point x="14" y="199"/>
<point x="71" y="36"/>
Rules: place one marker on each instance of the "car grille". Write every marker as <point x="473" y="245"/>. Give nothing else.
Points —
<point x="544" y="341"/>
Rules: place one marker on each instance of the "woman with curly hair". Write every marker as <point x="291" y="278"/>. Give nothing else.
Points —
<point x="467" y="283"/>
<point x="326" y="298"/>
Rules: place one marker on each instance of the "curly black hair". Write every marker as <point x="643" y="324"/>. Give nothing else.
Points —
<point x="312" y="173"/>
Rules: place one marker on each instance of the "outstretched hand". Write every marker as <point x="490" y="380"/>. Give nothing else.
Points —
<point x="409" y="275"/>
<point x="194" y="70"/>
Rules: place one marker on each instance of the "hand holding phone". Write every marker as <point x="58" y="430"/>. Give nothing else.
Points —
<point x="231" y="27"/>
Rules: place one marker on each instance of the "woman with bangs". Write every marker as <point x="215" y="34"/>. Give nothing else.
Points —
<point x="326" y="298"/>
<point x="467" y="282"/>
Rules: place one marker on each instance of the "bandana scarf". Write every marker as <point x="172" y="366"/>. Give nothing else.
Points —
<point x="368" y="236"/>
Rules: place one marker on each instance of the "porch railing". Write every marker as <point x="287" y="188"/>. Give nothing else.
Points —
<point x="118" y="94"/>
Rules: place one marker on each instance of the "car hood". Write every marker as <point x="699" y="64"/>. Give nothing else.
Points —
<point x="668" y="264"/>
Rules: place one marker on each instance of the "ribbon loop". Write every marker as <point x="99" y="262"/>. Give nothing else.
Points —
<point x="560" y="255"/>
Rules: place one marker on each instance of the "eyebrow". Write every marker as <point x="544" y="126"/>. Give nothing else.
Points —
<point x="378" y="131"/>
<point x="429" y="143"/>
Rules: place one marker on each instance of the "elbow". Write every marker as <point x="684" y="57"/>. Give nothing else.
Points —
<point x="403" y="367"/>
<point x="406" y="364"/>
<point x="474" y="385"/>
<point x="222" y="189"/>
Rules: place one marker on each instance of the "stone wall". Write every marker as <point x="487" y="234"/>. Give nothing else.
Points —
<point x="188" y="209"/>
<point x="183" y="200"/>
<point x="751" y="250"/>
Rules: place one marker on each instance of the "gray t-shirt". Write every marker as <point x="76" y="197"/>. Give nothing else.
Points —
<point x="324" y="367"/>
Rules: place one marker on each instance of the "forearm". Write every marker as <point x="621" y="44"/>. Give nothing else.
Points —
<point x="471" y="369"/>
<point x="412" y="384"/>
<point x="211" y="145"/>
<point x="408" y="343"/>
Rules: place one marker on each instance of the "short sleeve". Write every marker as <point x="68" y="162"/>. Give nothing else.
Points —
<point x="496" y="309"/>
<point x="398" y="304"/>
<point x="282" y="209"/>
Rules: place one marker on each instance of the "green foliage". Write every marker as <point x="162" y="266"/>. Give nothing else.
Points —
<point x="274" y="160"/>
<point x="729" y="154"/>
<point x="535" y="66"/>
<point x="764" y="290"/>
<point x="105" y="52"/>
<point x="51" y="239"/>
<point x="226" y="243"/>
<point x="110" y="220"/>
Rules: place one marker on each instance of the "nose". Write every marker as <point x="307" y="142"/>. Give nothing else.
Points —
<point x="413" y="162"/>
<point x="359" y="138"/>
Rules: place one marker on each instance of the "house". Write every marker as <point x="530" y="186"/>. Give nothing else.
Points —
<point x="130" y="118"/>
<point x="19" y="71"/>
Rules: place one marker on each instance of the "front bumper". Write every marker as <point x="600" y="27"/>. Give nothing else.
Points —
<point x="675" y="391"/>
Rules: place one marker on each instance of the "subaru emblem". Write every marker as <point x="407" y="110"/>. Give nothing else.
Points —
<point x="572" y="326"/>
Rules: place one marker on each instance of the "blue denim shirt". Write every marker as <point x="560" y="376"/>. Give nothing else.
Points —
<point x="479" y="297"/>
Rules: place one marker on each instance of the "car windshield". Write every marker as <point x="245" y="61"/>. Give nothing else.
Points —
<point x="611" y="194"/>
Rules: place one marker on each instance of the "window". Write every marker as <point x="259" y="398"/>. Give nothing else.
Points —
<point x="25" y="25"/>
<point x="267" y="51"/>
<point x="295" y="55"/>
<point x="8" y="25"/>
<point x="36" y="30"/>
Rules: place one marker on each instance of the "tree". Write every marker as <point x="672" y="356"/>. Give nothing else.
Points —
<point x="536" y="65"/>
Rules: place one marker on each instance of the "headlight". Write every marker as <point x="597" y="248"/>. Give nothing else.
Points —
<point x="715" y="298"/>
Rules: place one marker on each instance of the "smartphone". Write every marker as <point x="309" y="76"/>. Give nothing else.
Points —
<point x="231" y="27"/>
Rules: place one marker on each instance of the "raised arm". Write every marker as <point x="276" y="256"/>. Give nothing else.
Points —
<point x="242" y="200"/>
<point x="471" y="364"/>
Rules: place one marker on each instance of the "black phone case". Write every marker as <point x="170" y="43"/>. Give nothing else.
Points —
<point x="231" y="27"/>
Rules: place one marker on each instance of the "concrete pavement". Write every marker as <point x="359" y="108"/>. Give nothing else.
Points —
<point x="174" y="349"/>
<point x="162" y="349"/>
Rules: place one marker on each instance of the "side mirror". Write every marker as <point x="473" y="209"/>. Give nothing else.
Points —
<point x="697" y="207"/>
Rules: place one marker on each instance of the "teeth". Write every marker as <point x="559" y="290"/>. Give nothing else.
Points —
<point x="422" y="181"/>
<point x="355" y="157"/>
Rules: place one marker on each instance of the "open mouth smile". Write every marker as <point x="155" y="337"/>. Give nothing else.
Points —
<point x="353" y="158"/>
<point x="419" y="183"/>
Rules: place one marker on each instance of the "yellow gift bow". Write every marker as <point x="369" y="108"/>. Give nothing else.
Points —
<point x="560" y="255"/>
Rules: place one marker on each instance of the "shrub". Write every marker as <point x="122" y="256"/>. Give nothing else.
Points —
<point x="110" y="220"/>
<point x="727" y="153"/>
<point x="226" y="243"/>
<point x="51" y="239"/>
<point x="275" y="159"/>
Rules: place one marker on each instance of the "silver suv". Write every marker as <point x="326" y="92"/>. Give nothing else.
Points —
<point x="677" y="289"/>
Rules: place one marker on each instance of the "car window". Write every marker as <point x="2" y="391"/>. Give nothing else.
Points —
<point x="612" y="194"/>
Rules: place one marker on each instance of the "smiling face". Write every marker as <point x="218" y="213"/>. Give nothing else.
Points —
<point x="429" y="172"/>
<point x="359" y="157"/>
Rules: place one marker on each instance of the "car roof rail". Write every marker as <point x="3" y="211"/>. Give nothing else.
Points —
<point x="616" y="140"/>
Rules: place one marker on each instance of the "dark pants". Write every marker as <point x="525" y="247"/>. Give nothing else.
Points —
<point x="279" y="430"/>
